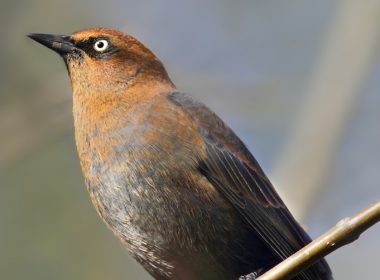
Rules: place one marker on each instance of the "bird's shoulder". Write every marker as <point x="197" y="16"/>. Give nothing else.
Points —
<point x="223" y="145"/>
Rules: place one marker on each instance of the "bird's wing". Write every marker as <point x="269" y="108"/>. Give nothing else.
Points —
<point x="232" y="169"/>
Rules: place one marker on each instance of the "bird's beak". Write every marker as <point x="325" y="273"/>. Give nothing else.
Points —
<point x="58" y="43"/>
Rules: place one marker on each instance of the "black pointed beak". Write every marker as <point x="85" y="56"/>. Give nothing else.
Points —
<point x="58" y="43"/>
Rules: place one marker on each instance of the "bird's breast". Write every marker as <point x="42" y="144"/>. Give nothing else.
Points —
<point x="140" y="164"/>
<point x="141" y="170"/>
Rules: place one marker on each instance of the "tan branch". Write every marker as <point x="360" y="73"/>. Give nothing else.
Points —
<point x="344" y="232"/>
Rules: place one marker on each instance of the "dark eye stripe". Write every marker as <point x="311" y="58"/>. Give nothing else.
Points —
<point x="88" y="47"/>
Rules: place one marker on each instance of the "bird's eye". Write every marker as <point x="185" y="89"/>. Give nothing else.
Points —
<point x="101" y="45"/>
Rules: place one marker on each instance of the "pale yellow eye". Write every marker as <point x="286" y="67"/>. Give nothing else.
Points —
<point x="101" y="45"/>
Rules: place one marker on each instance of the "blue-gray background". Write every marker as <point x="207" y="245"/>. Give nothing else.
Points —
<point x="251" y="61"/>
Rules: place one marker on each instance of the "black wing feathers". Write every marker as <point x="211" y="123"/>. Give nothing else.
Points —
<point x="232" y="169"/>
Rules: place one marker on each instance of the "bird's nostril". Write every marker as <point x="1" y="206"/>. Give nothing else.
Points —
<point x="58" y="43"/>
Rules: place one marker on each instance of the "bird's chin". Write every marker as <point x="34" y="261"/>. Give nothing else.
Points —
<point x="75" y="55"/>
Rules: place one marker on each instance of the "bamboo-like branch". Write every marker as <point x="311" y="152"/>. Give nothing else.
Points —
<point x="344" y="232"/>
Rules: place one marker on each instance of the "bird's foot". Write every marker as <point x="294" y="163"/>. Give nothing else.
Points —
<point x="252" y="275"/>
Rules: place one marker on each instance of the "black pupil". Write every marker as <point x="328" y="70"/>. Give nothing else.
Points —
<point x="100" y="45"/>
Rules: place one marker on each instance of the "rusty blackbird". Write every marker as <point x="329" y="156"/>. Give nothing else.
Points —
<point x="165" y="173"/>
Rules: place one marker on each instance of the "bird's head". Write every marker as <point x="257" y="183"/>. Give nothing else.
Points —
<point x="102" y="60"/>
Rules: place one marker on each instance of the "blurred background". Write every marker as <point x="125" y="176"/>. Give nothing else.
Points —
<point x="299" y="81"/>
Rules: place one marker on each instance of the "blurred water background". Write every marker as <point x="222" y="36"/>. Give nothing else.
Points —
<point x="299" y="81"/>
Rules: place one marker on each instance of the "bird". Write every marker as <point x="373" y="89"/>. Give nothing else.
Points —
<point x="171" y="180"/>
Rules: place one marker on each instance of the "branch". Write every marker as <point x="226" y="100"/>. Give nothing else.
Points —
<point x="344" y="232"/>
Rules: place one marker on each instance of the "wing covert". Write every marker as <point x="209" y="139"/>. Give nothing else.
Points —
<point x="232" y="169"/>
